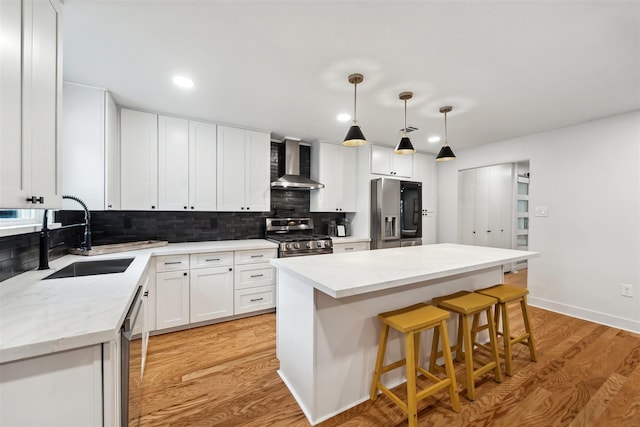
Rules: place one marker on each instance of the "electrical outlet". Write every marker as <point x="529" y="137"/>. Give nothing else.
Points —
<point x="626" y="290"/>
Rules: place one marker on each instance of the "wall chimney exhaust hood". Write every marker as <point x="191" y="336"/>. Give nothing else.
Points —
<point x="291" y="180"/>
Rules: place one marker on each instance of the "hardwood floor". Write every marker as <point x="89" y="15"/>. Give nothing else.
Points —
<point x="225" y="375"/>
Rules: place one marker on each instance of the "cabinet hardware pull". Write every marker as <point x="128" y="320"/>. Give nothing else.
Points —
<point x="172" y="262"/>
<point x="257" y="275"/>
<point x="488" y="231"/>
<point x="34" y="199"/>
<point x="348" y="249"/>
<point x="212" y="259"/>
<point x="146" y="293"/>
<point x="257" y="256"/>
<point x="256" y="299"/>
<point x="184" y="274"/>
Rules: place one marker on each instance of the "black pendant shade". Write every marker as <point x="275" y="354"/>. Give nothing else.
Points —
<point x="405" y="146"/>
<point x="445" y="154"/>
<point x="354" y="137"/>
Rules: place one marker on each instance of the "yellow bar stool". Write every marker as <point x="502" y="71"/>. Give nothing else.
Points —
<point x="466" y="304"/>
<point x="411" y="321"/>
<point x="506" y="294"/>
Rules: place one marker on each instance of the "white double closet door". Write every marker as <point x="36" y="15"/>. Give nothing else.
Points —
<point x="486" y="206"/>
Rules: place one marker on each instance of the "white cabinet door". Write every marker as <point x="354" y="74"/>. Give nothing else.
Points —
<point x="13" y="192"/>
<point x="58" y="389"/>
<point x="172" y="299"/>
<point x="139" y="160"/>
<point x="402" y="164"/>
<point x="31" y="104"/>
<point x="112" y="154"/>
<point x="501" y="206"/>
<point x="334" y="166"/>
<point x="466" y="206"/>
<point x="202" y="166"/>
<point x="211" y="293"/>
<point x="385" y="162"/>
<point x="258" y="171"/>
<point x="83" y="146"/>
<point x="243" y="170"/>
<point x="42" y="107"/>
<point x="231" y="169"/>
<point x="173" y="164"/>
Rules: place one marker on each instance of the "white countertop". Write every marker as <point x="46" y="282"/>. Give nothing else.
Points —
<point x="355" y="273"/>
<point x="45" y="316"/>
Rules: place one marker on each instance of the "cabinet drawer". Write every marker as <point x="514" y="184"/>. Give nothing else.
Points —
<point x="254" y="299"/>
<point x="350" y="247"/>
<point x="253" y="256"/>
<point x="211" y="259"/>
<point x="172" y="263"/>
<point x="252" y="275"/>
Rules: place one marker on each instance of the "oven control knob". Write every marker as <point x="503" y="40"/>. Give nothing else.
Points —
<point x="296" y="245"/>
<point x="308" y="245"/>
<point x="287" y="245"/>
<point x="319" y="244"/>
<point x="327" y="244"/>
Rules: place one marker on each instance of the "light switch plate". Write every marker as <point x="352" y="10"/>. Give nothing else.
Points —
<point x="541" y="211"/>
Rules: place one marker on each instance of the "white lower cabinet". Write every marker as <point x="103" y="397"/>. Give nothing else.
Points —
<point x="172" y="299"/>
<point x="350" y="247"/>
<point x="206" y="286"/>
<point x="211" y="293"/>
<point x="38" y="391"/>
<point x="253" y="299"/>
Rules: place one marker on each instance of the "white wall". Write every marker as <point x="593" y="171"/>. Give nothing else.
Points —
<point x="588" y="177"/>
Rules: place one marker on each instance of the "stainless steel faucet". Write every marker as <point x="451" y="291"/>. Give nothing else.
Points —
<point x="45" y="236"/>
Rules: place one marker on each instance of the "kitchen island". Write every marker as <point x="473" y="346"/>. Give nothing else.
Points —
<point x="327" y="330"/>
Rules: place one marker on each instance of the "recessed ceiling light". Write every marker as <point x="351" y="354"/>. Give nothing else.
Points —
<point x="182" y="81"/>
<point x="344" y="117"/>
<point x="433" y="139"/>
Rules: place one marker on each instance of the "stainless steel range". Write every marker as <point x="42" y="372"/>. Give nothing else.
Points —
<point x="295" y="237"/>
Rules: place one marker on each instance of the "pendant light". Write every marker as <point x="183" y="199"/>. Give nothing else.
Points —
<point x="355" y="137"/>
<point x="405" y="146"/>
<point x="445" y="153"/>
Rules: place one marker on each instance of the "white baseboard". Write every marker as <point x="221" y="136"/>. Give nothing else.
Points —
<point x="584" y="314"/>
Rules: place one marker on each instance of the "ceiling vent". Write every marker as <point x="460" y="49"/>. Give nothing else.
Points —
<point x="409" y="129"/>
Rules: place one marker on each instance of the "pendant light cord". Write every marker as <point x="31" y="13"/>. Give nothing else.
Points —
<point x="355" y="96"/>
<point x="404" y="131"/>
<point x="446" y="138"/>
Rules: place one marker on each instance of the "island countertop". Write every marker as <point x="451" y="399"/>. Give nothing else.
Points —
<point x="347" y="274"/>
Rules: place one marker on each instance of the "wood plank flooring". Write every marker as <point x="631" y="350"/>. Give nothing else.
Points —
<point x="225" y="375"/>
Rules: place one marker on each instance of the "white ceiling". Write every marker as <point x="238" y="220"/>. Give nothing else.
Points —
<point x="509" y="68"/>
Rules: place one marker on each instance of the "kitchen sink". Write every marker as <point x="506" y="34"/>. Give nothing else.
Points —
<point x="91" y="268"/>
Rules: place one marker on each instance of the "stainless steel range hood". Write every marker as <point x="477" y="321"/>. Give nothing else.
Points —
<point x="291" y="180"/>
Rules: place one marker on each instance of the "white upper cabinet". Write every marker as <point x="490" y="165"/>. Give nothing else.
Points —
<point x="138" y="160"/>
<point x="89" y="148"/>
<point x="202" y="166"/>
<point x="173" y="163"/>
<point x="243" y="170"/>
<point x="385" y="162"/>
<point x="334" y="166"/>
<point x="30" y="105"/>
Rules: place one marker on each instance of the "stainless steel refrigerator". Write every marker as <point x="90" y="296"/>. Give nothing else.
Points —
<point x="396" y="213"/>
